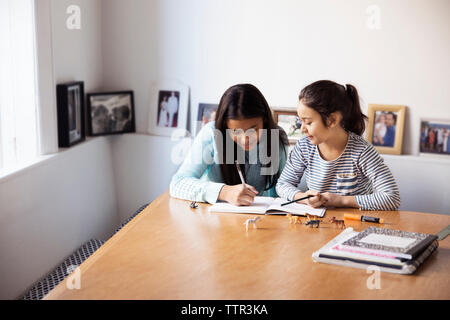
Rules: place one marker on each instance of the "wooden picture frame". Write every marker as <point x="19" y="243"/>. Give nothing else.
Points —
<point x="385" y="127"/>
<point x="70" y="113"/>
<point x="110" y="113"/>
<point x="289" y="121"/>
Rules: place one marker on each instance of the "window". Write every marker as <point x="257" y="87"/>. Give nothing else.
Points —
<point x="18" y="100"/>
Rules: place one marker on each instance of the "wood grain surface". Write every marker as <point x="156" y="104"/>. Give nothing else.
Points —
<point x="170" y="251"/>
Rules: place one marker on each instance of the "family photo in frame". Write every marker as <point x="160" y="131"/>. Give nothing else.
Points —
<point x="435" y="136"/>
<point x="206" y="113"/>
<point x="110" y="113"/>
<point x="168" y="107"/>
<point x="385" y="127"/>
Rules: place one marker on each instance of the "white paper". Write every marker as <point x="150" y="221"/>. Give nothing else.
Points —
<point x="385" y="240"/>
<point x="296" y="208"/>
<point x="259" y="206"/>
<point x="263" y="204"/>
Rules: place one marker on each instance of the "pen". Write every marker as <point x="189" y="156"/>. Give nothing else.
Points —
<point x="307" y="197"/>
<point x="351" y="216"/>
<point x="240" y="173"/>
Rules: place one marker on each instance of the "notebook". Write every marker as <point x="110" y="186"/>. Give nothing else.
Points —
<point x="329" y="254"/>
<point x="394" y="243"/>
<point x="269" y="205"/>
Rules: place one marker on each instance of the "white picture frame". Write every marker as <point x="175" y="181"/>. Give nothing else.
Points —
<point x="168" y="105"/>
<point x="439" y="148"/>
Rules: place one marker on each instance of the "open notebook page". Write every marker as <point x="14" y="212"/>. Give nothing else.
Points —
<point x="295" y="208"/>
<point x="263" y="204"/>
<point x="259" y="206"/>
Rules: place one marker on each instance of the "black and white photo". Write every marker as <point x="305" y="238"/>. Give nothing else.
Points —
<point x="110" y="113"/>
<point x="70" y="98"/>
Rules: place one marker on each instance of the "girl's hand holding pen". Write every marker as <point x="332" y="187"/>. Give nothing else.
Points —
<point x="238" y="195"/>
<point x="316" y="201"/>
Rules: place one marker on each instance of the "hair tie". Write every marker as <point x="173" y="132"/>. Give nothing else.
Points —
<point x="345" y="87"/>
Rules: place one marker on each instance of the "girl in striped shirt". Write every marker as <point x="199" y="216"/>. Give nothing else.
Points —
<point x="341" y="168"/>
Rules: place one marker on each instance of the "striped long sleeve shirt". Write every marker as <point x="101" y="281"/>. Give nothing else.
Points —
<point x="359" y="171"/>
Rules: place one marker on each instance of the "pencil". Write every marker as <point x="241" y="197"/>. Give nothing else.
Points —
<point x="307" y="197"/>
<point x="240" y="173"/>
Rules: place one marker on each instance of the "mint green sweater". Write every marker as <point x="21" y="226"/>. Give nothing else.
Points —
<point x="199" y="177"/>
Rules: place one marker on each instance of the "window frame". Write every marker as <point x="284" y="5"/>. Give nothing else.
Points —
<point x="46" y="92"/>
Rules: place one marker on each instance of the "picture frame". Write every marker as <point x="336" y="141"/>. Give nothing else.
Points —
<point x="385" y="127"/>
<point x="168" y="108"/>
<point x="288" y="120"/>
<point x="70" y="113"/>
<point x="110" y="113"/>
<point x="206" y="113"/>
<point x="434" y="137"/>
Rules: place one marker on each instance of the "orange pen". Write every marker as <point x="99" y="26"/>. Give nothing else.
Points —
<point x="352" y="216"/>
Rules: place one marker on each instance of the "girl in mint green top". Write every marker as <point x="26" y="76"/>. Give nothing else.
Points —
<point x="244" y="131"/>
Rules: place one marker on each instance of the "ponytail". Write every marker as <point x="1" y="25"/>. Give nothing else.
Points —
<point x="354" y="120"/>
<point x="327" y="97"/>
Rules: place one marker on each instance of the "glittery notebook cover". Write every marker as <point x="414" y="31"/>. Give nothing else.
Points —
<point x="414" y="242"/>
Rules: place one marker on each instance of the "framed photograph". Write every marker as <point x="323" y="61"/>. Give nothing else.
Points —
<point x="168" y="108"/>
<point x="206" y="113"/>
<point x="290" y="122"/>
<point x="435" y="136"/>
<point x="110" y="113"/>
<point x="70" y="105"/>
<point x="385" y="127"/>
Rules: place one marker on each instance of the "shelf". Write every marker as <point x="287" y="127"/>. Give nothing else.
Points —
<point x="421" y="158"/>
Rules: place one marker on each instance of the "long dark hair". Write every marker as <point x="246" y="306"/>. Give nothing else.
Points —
<point x="326" y="97"/>
<point x="244" y="101"/>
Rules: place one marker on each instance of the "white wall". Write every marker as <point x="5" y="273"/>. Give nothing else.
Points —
<point x="77" y="54"/>
<point x="50" y="209"/>
<point x="281" y="46"/>
<point x="142" y="170"/>
<point x="423" y="182"/>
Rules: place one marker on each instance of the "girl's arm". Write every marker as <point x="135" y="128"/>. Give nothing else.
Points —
<point x="186" y="183"/>
<point x="387" y="194"/>
<point x="292" y="174"/>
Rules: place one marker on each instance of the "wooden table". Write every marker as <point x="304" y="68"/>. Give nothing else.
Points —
<point x="170" y="251"/>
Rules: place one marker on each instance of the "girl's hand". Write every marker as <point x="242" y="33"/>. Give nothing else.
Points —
<point x="332" y="199"/>
<point x="315" y="202"/>
<point x="238" y="195"/>
<point x="336" y="200"/>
